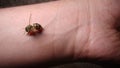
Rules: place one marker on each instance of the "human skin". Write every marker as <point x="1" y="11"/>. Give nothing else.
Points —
<point x="73" y="29"/>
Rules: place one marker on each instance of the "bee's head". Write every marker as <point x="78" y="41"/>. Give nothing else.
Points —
<point x="28" y="28"/>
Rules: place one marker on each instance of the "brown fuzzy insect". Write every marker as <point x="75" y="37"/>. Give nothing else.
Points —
<point x="33" y="29"/>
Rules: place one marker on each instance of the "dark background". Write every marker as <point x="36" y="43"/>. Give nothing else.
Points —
<point x="11" y="3"/>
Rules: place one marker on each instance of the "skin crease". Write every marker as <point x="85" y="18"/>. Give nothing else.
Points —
<point x="76" y="29"/>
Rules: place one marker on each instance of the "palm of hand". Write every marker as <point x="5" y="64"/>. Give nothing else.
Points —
<point x="103" y="42"/>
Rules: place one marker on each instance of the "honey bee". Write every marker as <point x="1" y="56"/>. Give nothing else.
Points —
<point x="33" y="29"/>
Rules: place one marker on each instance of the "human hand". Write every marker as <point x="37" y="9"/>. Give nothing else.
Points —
<point x="81" y="29"/>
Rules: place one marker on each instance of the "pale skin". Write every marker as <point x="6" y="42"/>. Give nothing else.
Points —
<point x="72" y="28"/>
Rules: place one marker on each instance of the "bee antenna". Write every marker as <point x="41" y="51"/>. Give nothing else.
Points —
<point x="30" y="18"/>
